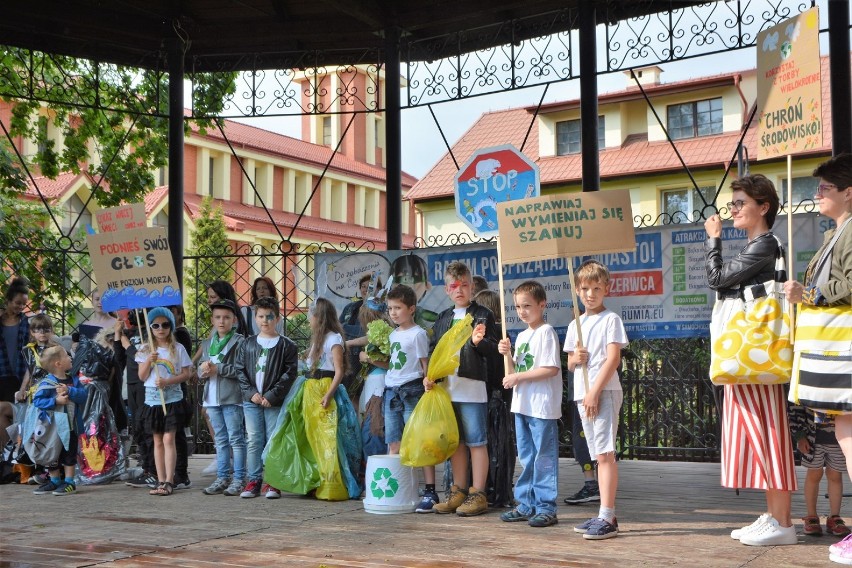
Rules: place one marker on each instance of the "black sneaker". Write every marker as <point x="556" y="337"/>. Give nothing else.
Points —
<point x="182" y="482"/>
<point x="142" y="481"/>
<point x="586" y="494"/>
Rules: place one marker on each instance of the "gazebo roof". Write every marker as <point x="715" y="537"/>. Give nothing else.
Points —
<point x="238" y="34"/>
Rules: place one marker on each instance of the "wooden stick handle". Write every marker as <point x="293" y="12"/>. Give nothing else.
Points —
<point x="791" y="271"/>
<point x="507" y="361"/>
<point x="577" y="319"/>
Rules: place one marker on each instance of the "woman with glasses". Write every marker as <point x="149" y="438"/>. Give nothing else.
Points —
<point x="828" y="283"/>
<point x="757" y="449"/>
<point x="14" y="336"/>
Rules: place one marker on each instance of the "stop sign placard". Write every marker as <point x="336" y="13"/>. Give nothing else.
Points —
<point x="491" y="176"/>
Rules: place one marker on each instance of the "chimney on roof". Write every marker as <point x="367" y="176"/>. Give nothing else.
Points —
<point x="645" y="75"/>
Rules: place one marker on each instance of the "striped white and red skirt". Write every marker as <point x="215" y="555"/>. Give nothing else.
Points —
<point x="757" y="446"/>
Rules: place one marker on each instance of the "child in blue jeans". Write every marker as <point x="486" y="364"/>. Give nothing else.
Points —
<point x="536" y="377"/>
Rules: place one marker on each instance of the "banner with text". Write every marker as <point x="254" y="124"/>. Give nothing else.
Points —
<point x="659" y="289"/>
<point x="565" y="225"/>
<point x="789" y="91"/>
<point x="134" y="269"/>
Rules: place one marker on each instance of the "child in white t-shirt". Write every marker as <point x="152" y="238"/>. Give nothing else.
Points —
<point x="536" y="377"/>
<point x="603" y="337"/>
<point x="404" y="381"/>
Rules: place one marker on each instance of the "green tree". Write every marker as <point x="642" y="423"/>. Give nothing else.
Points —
<point x="205" y="263"/>
<point x="113" y="118"/>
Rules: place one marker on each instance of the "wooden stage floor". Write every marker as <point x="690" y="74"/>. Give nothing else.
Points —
<point x="670" y="514"/>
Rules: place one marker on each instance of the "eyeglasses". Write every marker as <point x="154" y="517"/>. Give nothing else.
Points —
<point x="164" y="325"/>
<point x="40" y="329"/>
<point x="823" y="187"/>
<point x="736" y="205"/>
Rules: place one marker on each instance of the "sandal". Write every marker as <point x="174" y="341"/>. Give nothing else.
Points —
<point x="165" y="489"/>
<point x="157" y="490"/>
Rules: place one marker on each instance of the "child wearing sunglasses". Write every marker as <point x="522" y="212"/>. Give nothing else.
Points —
<point x="41" y="337"/>
<point x="163" y="370"/>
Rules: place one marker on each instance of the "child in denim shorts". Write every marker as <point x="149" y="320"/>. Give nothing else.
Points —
<point x="404" y="380"/>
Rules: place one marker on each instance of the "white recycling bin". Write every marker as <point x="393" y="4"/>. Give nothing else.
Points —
<point x="391" y="487"/>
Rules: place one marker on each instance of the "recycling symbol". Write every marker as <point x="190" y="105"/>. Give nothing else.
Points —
<point x="523" y="357"/>
<point x="383" y="484"/>
<point x="397" y="357"/>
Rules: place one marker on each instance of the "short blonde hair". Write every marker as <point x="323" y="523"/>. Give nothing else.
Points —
<point x="50" y="356"/>
<point x="456" y="270"/>
<point x="591" y="271"/>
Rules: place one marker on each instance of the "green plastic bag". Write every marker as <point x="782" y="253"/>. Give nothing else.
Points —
<point x="290" y="464"/>
<point x="431" y="435"/>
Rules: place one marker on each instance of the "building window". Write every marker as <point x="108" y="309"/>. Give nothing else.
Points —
<point x="568" y="136"/>
<point x="71" y="209"/>
<point x="211" y="175"/>
<point x="326" y="131"/>
<point x="681" y="205"/>
<point x="804" y="189"/>
<point x="377" y="132"/>
<point x="700" y="118"/>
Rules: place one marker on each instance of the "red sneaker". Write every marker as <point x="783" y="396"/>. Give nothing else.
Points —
<point x="836" y="526"/>
<point x="270" y="492"/>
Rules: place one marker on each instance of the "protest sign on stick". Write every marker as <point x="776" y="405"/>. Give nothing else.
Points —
<point x="565" y="225"/>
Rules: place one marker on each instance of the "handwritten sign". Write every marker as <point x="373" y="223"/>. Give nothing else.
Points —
<point x="566" y="225"/>
<point x="134" y="269"/>
<point x="789" y="90"/>
<point x="121" y="218"/>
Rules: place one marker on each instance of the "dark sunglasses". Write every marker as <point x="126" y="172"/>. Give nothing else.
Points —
<point x="164" y="325"/>
<point x="41" y="329"/>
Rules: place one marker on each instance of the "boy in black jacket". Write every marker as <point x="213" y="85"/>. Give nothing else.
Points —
<point x="467" y="389"/>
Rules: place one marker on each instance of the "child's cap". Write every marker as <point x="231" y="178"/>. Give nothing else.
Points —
<point x="224" y="304"/>
<point x="161" y="313"/>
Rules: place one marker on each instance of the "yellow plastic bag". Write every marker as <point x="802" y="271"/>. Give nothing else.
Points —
<point x="321" y="431"/>
<point x="431" y="435"/>
<point x="445" y="358"/>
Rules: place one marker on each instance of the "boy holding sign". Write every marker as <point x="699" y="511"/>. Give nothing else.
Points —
<point x="604" y="336"/>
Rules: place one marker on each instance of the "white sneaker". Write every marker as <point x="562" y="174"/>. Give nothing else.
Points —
<point x="737" y="534"/>
<point x="771" y="534"/>
<point x="210" y="469"/>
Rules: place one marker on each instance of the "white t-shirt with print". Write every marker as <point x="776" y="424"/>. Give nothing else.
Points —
<point x="266" y="344"/>
<point x="326" y="362"/>
<point x="542" y="398"/>
<point x="407" y="348"/>
<point x="165" y="368"/>
<point x="599" y="330"/>
<point x="462" y="389"/>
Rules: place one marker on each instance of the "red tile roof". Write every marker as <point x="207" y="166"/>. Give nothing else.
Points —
<point x="272" y="143"/>
<point x="635" y="156"/>
<point x="51" y="188"/>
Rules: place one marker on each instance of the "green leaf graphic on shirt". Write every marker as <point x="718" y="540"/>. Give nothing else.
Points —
<point x="524" y="358"/>
<point x="397" y="357"/>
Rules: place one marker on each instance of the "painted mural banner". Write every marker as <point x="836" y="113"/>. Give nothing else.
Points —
<point x="565" y="225"/>
<point x="659" y="288"/>
<point x="491" y="176"/>
<point x="122" y="218"/>
<point x="134" y="269"/>
<point x="789" y="87"/>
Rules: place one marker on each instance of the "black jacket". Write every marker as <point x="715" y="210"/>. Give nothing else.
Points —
<point x="281" y="367"/>
<point x="754" y="264"/>
<point x="473" y="359"/>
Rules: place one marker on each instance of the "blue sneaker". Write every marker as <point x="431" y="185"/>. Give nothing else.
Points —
<point x="45" y="488"/>
<point x="429" y="500"/>
<point x="601" y="529"/>
<point x="584" y="527"/>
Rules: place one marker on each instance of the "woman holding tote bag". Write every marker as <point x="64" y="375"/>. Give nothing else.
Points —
<point x="757" y="449"/>
<point x="824" y="382"/>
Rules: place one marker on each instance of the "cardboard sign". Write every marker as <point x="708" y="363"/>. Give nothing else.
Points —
<point x="121" y="218"/>
<point x="789" y="90"/>
<point x="570" y="224"/>
<point x="491" y="176"/>
<point x="134" y="269"/>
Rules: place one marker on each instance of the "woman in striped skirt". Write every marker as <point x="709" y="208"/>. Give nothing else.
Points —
<point x="757" y="450"/>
